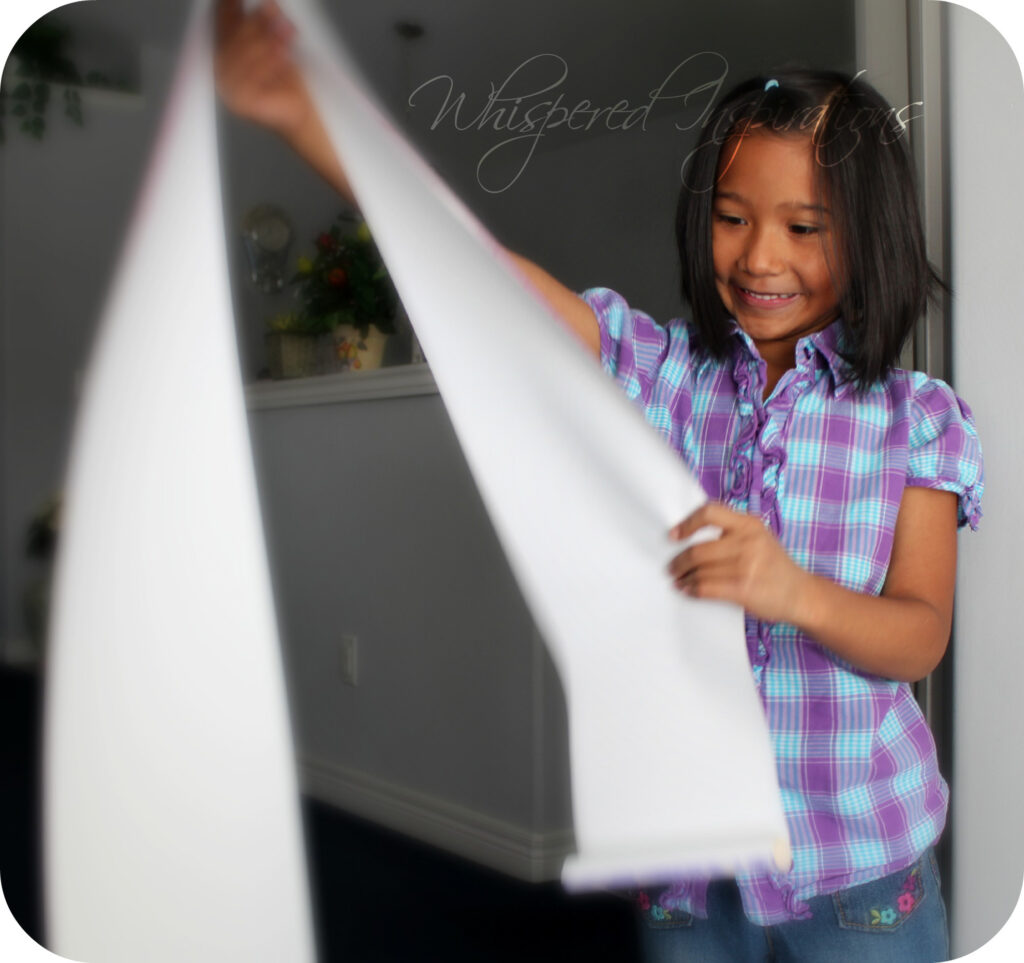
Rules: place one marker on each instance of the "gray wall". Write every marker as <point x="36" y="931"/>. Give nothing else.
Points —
<point x="987" y="143"/>
<point x="396" y="550"/>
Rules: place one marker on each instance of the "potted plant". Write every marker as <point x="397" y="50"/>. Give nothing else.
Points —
<point x="42" y="62"/>
<point x="347" y="311"/>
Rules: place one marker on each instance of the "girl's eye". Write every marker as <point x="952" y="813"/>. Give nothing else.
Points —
<point x="804" y="229"/>
<point x="729" y="218"/>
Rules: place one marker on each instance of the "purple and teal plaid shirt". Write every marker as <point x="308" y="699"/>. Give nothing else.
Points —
<point x="824" y="466"/>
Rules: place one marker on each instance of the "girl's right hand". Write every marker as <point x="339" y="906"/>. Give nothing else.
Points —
<point x="256" y="77"/>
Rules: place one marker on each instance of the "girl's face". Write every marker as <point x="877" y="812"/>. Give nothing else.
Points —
<point x="769" y="236"/>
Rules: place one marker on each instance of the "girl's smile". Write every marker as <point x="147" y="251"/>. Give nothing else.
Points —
<point x="765" y="299"/>
<point x="769" y="236"/>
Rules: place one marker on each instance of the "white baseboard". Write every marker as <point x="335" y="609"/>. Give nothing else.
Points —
<point x="500" y="845"/>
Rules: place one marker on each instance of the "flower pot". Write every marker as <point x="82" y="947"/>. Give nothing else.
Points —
<point x="291" y="355"/>
<point x="359" y="352"/>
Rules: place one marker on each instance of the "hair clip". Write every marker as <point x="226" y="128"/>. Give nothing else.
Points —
<point x="771" y="83"/>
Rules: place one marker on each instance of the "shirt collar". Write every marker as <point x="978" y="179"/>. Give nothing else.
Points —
<point x="825" y="345"/>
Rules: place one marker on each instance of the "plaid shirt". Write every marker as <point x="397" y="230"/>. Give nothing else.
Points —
<point x="824" y="466"/>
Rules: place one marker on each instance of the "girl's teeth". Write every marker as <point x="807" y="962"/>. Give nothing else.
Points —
<point x="768" y="297"/>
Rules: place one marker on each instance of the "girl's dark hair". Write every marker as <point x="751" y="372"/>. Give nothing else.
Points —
<point x="865" y="176"/>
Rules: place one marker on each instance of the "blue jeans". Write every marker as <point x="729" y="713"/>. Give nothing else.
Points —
<point x="863" y="924"/>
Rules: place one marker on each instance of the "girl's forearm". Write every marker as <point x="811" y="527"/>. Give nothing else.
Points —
<point x="897" y="638"/>
<point x="573" y="311"/>
<point x="900" y="634"/>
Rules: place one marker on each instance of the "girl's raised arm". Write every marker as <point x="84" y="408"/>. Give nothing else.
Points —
<point x="574" y="312"/>
<point x="258" y="80"/>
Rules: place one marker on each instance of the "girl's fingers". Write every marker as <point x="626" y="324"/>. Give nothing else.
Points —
<point x="239" y="35"/>
<point x="709" y="586"/>
<point x="700" y="555"/>
<point x="690" y="524"/>
<point x="229" y="15"/>
<point x="253" y="63"/>
<point x="709" y="514"/>
<point x="273" y="20"/>
<point x="719" y="567"/>
<point x="264" y="56"/>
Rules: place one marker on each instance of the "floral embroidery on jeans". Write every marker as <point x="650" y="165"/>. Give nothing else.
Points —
<point x="656" y="912"/>
<point x="905" y="902"/>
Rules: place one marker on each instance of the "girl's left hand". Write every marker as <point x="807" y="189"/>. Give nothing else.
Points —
<point x="745" y="565"/>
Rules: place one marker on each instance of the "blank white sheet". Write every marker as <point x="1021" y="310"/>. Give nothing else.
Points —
<point x="171" y="808"/>
<point x="672" y="770"/>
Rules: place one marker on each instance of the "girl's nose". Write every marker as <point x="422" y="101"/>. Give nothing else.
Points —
<point x="761" y="254"/>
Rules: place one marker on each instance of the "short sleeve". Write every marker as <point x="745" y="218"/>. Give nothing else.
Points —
<point x="945" y="452"/>
<point x="633" y="344"/>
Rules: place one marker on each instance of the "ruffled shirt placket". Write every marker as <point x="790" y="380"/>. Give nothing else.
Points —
<point x="759" y="457"/>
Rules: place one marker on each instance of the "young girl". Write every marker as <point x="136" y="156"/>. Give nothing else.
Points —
<point x="838" y="482"/>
